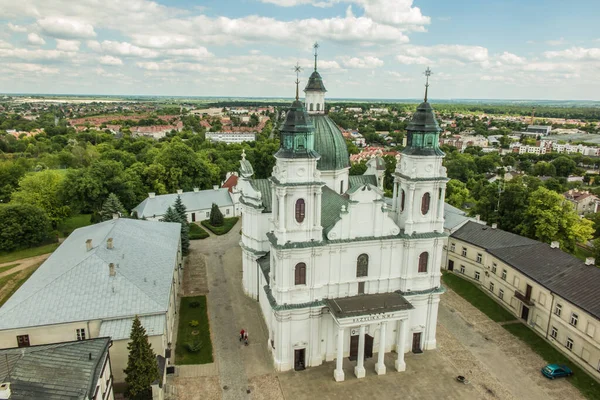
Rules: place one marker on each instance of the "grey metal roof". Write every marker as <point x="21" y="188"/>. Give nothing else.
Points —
<point x="330" y="144"/>
<point x="193" y="201"/>
<point x="559" y="272"/>
<point x="331" y="207"/>
<point x="358" y="180"/>
<point x="365" y="304"/>
<point x="265" y="265"/>
<point x="74" y="284"/>
<point x="59" y="371"/>
<point x="315" y="83"/>
<point x="264" y="187"/>
<point x="119" y="329"/>
<point x="454" y="218"/>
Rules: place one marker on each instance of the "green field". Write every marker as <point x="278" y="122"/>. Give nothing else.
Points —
<point x="196" y="232"/>
<point x="185" y="333"/>
<point x="76" y="221"/>
<point x="20" y="282"/>
<point x="228" y="223"/>
<point x="7" y="267"/>
<point x="25" y="253"/>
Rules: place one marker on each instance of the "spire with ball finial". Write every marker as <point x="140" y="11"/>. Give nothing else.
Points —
<point x="316" y="47"/>
<point x="427" y="73"/>
<point x="297" y="70"/>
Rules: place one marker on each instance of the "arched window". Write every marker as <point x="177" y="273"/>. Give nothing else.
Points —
<point x="402" y="200"/>
<point x="318" y="106"/>
<point x="300" y="210"/>
<point x="425" y="203"/>
<point x="311" y="107"/>
<point x="362" y="265"/>
<point x="423" y="259"/>
<point x="300" y="274"/>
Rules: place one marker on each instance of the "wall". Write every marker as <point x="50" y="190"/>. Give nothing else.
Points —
<point x="119" y="354"/>
<point x="49" y="333"/>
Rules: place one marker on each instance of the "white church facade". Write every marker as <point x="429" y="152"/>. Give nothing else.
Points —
<point x="340" y="271"/>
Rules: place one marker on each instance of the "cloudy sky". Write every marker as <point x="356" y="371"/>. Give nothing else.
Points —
<point x="501" y="49"/>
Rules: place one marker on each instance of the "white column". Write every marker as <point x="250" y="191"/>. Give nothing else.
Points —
<point x="441" y="205"/>
<point x="359" y="370"/>
<point x="338" y="374"/>
<point x="400" y="343"/>
<point x="395" y="196"/>
<point x="281" y="211"/>
<point x="380" y="367"/>
<point x="408" y="206"/>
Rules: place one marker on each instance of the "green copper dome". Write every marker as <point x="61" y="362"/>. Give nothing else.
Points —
<point x="297" y="134"/>
<point x="423" y="133"/>
<point x="315" y="83"/>
<point x="330" y="144"/>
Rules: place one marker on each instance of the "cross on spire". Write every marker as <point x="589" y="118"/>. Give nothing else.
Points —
<point x="316" y="47"/>
<point x="297" y="70"/>
<point x="427" y="73"/>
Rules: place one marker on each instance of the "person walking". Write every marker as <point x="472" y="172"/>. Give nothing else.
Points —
<point x="246" y="338"/>
<point x="242" y="333"/>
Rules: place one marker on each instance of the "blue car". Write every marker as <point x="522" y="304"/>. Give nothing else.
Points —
<point x="556" y="371"/>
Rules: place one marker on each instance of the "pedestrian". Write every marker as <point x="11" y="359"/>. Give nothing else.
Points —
<point x="242" y="333"/>
<point x="246" y="338"/>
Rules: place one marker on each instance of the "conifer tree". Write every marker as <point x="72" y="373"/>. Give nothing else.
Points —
<point x="180" y="208"/>
<point x="171" y="215"/>
<point x="141" y="369"/>
<point x="112" y="205"/>
<point x="216" y="216"/>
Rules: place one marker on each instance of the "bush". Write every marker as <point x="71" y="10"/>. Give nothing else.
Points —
<point x="216" y="216"/>
<point x="23" y="225"/>
<point x="194" y="304"/>
<point x="194" y="347"/>
<point x="228" y="223"/>
<point x="197" y="232"/>
<point x="194" y="323"/>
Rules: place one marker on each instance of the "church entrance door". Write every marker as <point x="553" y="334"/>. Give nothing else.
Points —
<point x="451" y="265"/>
<point x="353" y="348"/>
<point x="368" y="346"/>
<point x="299" y="364"/>
<point x="416" y="344"/>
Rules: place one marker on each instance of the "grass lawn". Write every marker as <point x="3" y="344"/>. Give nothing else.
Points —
<point x="475" y="296"/>
<point x="184" y="334"/>
<point x="582" y="253"/>
<point x="228" y="223"/>
<point x="6" y="268"/>
<point x="24" y="276"/>
<point x="29" y="252"/>
<point x="196" y="232"/>
<point x="587" y="385"/>
<point x="72" y="223"/>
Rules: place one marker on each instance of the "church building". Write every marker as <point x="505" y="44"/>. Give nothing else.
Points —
<point x="339" y="270"/>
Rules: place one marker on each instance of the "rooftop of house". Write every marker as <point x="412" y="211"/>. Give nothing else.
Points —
<point x="558" y="271"/>
<point x="577" y="195"/>
<point x="76" y="284"/>
<point x="57" y="371"/>
<point x="193" y="201"/>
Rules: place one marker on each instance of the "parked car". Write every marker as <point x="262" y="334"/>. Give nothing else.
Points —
<point x="556" y="371"/>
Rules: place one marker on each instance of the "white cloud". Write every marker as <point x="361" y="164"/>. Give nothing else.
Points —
<point x="557" y="42"/>
<point x="510" y="58"/>
<point x="575" y="53"/>
<point x="17" y="28"/>
<point x="110" y="60"/>
<point x="497" y="78"/>
<point x="67" y="45"/>
<point x="199" y="53"/>
<point x="410" y="54"/>
<point x="123" y="49"/>
<point x="30" y="68"/>
<point x="35" y="39"/>
<point x="35" y="55"/>
<point x="364" y="62"/>
<point x="409" y="60"/>
<point x="5" y="45"/>
<point x="66" y="28"/>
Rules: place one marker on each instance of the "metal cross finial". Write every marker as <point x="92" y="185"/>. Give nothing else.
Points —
<point x="316" y="47"/>
<point x="297" y="69"/>
<point x="427" y="73"/>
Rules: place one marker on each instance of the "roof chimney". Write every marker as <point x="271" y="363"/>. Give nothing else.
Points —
<point x="115" y="216"/>
<point x="179" y="191"/>
<point x="196" y="189"/>
<point x="215" y="187"/>
<point x="111" y="269"/>
<point x="151" y="195"/>
<point x="494" y="225"/>
<point x="555" y="245"/>
<point x="88" y="244"/>
<point x="5" y="391"/>
<point x="590" y="261"/>
<point x="109" y="243"/>
<point x="477" y="217"/>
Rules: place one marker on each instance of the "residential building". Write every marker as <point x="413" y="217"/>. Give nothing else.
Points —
<point x="78" y="369"/>
<point x="93" y="286"/>
<point x="583" y="201"/>
<point x="337" y="271"/>
<point x="543" y="130"/>
<point x="551" y="291"/>
<point x="198" y="204"/>
<point x="231" y="137"/>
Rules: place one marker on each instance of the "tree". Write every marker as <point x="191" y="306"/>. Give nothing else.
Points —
<point x="216" y="216"/>
<point x="564" y="165"/>
<point x="111" y="206"/>
<point x="180" y="209"/>
<point x="457" y="193"/>
<point x="141" y="369"/>
<point x="44" y="190"/>
<point x="171" y="215"/>
<point x="358" y="168"/>
<point x="22" y="225"/>
<point x="549" y="217"/>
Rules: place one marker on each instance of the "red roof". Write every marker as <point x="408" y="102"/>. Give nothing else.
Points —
<point x="230" y="183"/>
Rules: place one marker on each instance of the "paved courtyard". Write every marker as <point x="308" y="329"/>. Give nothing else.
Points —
<point x="498" y="365"/>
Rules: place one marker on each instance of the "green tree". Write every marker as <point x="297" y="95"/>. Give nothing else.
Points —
<point x="564" y="166"/>
<point x="142" y="369"/>
<point x="44" y="190"/>
<point x="358" y="168"/>
<point x="111" y="206"/>
<point x="22" y="225"/>
<point x="550" y="217"/>
<point x="216" y="216"/>
<point x="457" y="193"/>
<point x="180" y="209"/>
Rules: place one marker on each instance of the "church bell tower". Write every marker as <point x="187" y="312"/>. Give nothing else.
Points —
<point x="315" y="91"/>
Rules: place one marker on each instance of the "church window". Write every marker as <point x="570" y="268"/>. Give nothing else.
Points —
<point x="423" y="260"/>
<point x="362" y="266"/>
<point x="300" y="274"/>
<point x="311" y="106"/>
<point x="318" y="106"/>
<point x="402" y="200"/>
<point x="341" y="187"/>
<point x="425" y="203"/>
<point x="300" y="210"/>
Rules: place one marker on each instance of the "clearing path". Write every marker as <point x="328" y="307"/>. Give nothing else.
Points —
<point x="24" y="263"/>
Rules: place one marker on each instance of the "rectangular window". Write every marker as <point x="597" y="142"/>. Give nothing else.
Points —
<point x="81" y="334"/>
<point x="501" y="294"/>
<point x="574" y="319"/>
<point x="227" y="211"/>
<point x="462" y="269"/>
<point x="464" y="251"/>
<point x="477" y="275"/>
<point x="569" y="344"/>
<point x="558" y="309"/>
<point x="208" y="214"/>
<point x="504" y="274"/>
<point x="494" y="267"/>
<point x="479" y="258"/>
<point x="554" y="332"/>
<point x="452" y="247"/>
<point x="23" y="341"/>
<point x="492" y="287"/>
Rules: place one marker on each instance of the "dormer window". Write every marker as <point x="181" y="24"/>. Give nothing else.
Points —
<point x="300" y="210"/>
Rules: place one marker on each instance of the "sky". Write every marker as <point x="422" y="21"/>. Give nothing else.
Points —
<point x="477" y="49"/>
